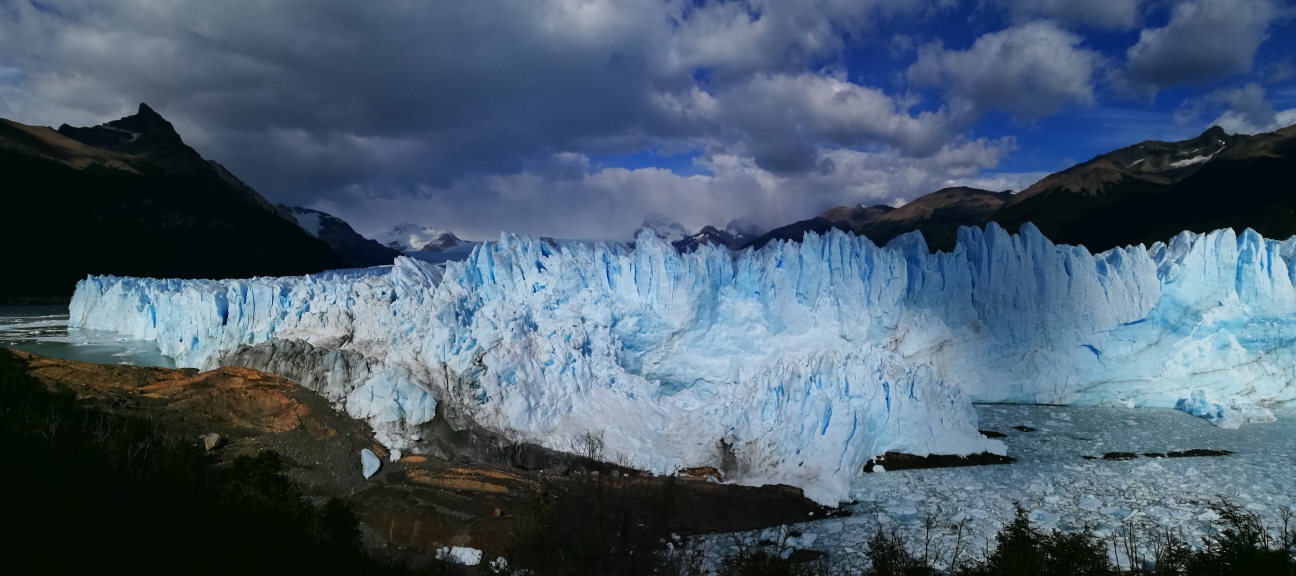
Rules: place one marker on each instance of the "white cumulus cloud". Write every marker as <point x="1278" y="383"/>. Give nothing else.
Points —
<point x="1030" y="70"/>
<point x="1204" y="40"/>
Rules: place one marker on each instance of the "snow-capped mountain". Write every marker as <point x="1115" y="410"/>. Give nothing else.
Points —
<point x="664" y="226"/>
<point x="736" y="234"/>
<point x="357" y="250"/>
<point x="408" y="237"/>
<point x="743" y="229"/>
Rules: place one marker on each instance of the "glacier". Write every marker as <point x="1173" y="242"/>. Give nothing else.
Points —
<point x="792" y="364"/>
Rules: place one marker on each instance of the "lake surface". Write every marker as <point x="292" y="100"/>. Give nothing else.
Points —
<point x="44" y="330"/>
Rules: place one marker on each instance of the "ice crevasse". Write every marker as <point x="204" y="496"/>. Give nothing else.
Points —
<point x="791" y="364"/>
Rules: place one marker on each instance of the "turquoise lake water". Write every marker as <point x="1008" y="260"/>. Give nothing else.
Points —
<point x="44" y="330"/>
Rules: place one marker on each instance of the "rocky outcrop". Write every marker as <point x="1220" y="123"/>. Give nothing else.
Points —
<point x="418" y="504"/>
<point x="331" y="372"/>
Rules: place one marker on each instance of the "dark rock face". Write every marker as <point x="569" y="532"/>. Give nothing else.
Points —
<point x="357" y="250"/>
<point x="892" y="461"/>
<point x="797" y="230"/>
<point x="130" y="198"/>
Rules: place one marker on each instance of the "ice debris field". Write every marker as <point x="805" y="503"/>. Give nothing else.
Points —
<point x="792" y="364"/>
<point x="1064" y="483"/>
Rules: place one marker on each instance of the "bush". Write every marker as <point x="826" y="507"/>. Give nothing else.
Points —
<point x="1244" y="547"/>
<point x="889" y="556"/>
<point x="1021" y="550"/>
<point x="595" y="524"/>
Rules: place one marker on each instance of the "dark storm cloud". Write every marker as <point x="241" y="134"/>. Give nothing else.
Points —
<point x="346" y="102"/>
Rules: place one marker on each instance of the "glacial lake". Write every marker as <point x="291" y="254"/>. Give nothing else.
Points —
<point x="44" y="330"/>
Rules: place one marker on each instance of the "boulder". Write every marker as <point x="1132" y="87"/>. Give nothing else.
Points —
<point x="212" y="441"/>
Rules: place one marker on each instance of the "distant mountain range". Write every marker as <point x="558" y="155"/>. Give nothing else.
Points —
<point x="735" y="234"/>
<point x="407" y="237"/>
<point x="356" y="250"/>
<point x="1143" y="193"/>
<point x="129" y="197"/>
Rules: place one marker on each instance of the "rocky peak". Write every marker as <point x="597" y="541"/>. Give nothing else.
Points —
<point x="145" y="134"/>
<point x="149" y="125"/>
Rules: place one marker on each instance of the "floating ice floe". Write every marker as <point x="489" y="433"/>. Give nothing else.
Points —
<point x="1225" y="414"/>
<point x="460" y="555"/>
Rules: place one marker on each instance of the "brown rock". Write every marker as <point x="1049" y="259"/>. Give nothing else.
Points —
<point x="702" y="472"/>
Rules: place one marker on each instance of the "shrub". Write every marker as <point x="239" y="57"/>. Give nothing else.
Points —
<point x="889" y="556"/>
<point x="1244" y="547"/>
<point x="1021" y="550"/>
<point x="595" y="524"/>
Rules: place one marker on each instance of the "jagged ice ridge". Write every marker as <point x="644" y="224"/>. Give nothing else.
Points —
<point x="791" y="364"/>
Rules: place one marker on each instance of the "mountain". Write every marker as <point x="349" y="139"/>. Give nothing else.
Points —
<point x="1140" y="194"/>
<point x="937" y="215"/>
<point x="1153" y="190"/>
<point x="736" y="233"/>
<point x="407" y="237"/>
<point x="358" y="251"/>
<point x="130" y="198"/>
<point x="795" y="231"/>
<point x="662" y="225"/>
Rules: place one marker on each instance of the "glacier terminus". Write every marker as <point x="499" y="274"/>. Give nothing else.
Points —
<point x="791" y="364"/>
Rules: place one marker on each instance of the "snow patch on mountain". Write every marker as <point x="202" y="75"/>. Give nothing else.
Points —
<point x="408" y="237"/>
<point x="665" y="228"/>
<point x="309" y="220"/>
<point x="1191" y="161"/>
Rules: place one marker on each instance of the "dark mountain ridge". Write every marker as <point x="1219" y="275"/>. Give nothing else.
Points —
<point x="1139" y="194"/>
<point x="937" y="215"/>
<point x="357" y="250"/>
<point x="737" y="233"/>
<point x="130" y="198"/>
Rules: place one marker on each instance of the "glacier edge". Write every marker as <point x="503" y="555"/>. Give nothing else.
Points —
<point x="796" y="362"/>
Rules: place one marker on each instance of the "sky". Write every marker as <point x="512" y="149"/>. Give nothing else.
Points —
<point x="576" y="118"/>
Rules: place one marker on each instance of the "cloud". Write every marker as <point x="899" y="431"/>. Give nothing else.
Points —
<point x="785" y="119"/>
<point x="610" y="202"/>
<point x="1246" y="110"/>
<point x="483" y="116"/>
<point x="1030" y="71"/>
<point x="485" y="87"/>
<point x="1111" y="14"/>
<point x="1204" y="40"/>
